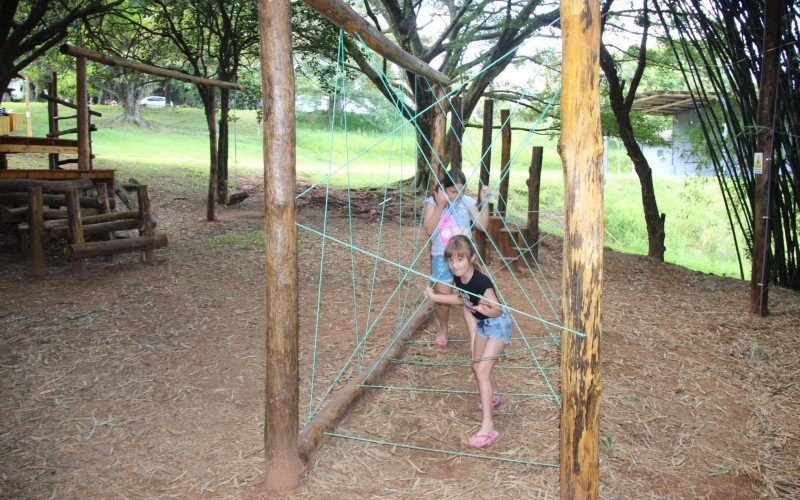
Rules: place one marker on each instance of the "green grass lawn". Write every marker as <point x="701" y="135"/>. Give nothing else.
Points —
<point x="697" y="234"/>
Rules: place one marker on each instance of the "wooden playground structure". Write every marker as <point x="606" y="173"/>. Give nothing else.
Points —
<point x="80" y="201"/>
<point x="581" y="151"/>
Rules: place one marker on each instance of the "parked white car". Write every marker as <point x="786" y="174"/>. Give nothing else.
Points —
<point x="154" y="101"/>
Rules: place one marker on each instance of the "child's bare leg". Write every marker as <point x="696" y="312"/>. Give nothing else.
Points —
<point x="442" y="311"/>
<point x="484" y="357"/>
<point x="469" y="319"/>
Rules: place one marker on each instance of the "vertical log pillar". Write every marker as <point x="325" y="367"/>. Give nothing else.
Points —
<point x="438" y="134"/>
<point x="29" y="129"/>
<point x="486" y="163"/>
<point x="145" y="220"/>
<point x="52" y="115"/>
<point x="211" y="119"/>
<point x="104" y="207"/>
<point x="534" y="188"/>
<point x="36" y="231"/>
<point x="764" y="185"/>
<point x="456" y="134"/>
<point x="581" y="150"/>
<point x="75" y="231"/>
<point x="505" y="160"/>
<point x="283" y="467"/>
<point x="82" y="103"/>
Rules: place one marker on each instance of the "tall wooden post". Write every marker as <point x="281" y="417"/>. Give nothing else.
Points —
<point x="534" y="187"/>
<point x="75" y="231"/>
<point x="581" y="150"/>
<point x="211" y="120"/>
<point x="283" y="467"/>
<point x="764" y="185"/>
<point x="438" y="133"/>
<point x="28" y="129"/>
<point x="486" y="164"/>
<point x="36" y="231"/>
<point x="456" y="133"/>
<point x="486" y="142"/>
<point x="82" y="102"/>
<point x="52" y="115"/>
<point x="505" y="160"/>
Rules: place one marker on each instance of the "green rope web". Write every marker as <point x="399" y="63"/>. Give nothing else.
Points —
<point x="384" y="291"/>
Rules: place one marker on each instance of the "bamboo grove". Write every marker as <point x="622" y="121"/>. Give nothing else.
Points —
<point x="719" y="47"/>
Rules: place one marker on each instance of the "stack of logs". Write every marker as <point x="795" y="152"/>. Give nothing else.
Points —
<point x="22" y="202"/>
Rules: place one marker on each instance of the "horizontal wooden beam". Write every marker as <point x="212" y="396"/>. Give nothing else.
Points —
<point x="75" y="51"/>
<point x="62" y="102"/>
<point x="325" y="421"/>
<point x="113" y="247"/>
<point x="343" y="16"/>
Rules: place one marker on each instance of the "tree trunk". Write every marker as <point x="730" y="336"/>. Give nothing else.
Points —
<point x="653" y="220"/>
<point x="222" y="146"/>
<point x="130" y="92"/>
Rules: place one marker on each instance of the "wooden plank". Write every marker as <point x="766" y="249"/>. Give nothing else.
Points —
<point x="581" y="150"/>
<point x="55" y="100"/>
<point x="81" y="251"/>
<point x="99" y="228"/>
<point x="22" y="184"/>
<point x="52" y="200"/>
<point x="89" y="219"/>
<point x="41" y="175"/>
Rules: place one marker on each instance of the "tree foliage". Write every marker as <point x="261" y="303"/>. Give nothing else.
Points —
<point x="28" y="29"/>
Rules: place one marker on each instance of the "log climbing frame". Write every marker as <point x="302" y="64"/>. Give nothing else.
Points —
<point x="580" y="147"/>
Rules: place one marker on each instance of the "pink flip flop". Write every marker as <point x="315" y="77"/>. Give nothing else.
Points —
<point x="440" y="343"/>
<point x="495" y="403"/>
<point x="481" y="440"/>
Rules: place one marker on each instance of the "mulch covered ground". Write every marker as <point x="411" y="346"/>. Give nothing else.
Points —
<point x="148" y="380"/>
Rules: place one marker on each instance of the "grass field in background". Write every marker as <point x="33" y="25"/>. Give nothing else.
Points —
<point x="697" y="234"/>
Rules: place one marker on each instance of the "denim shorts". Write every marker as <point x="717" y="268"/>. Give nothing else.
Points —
<point x="440" y="271"/>
<point x="498" y="328"/>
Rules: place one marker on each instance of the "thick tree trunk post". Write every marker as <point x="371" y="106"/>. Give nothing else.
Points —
<point x="505" y="160"/>
<point x="222" y="148"/>
<point x="438" y="133"/>
<point x="486" y="163"/>
<point x="764" y="185"/>
<point x="454" y="149"/>
<point x="82" y="103"/>
<point x="145" y="220"/>
<point x="283" y="466"/>
<point x="75" y="231"/>
<point x="211" y="120"/>
<point x="36" y="231"/>
<point x="534" y="187"/>
<point x="486" y="142"/>
<point x="104" y="207"/>
<point x="52" y="114"/>
<point x="581" y="151"/>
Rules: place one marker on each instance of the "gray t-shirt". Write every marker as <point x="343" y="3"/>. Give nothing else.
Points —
<point x="456" y="219"/>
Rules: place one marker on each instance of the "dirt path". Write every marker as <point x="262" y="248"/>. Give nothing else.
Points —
<point x="147" y="381"/>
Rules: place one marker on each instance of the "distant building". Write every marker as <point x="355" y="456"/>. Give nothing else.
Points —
<point x="15" y="91"/>
<point x="681" y="156"/>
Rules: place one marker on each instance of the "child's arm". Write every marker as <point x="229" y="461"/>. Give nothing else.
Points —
<point x="433" y="213"/>
<point x="442" y="298"/>
<point x="480" y="213"/>
<point x="489" y="307"/>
